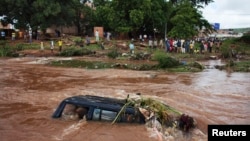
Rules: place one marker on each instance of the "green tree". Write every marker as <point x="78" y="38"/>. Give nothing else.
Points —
<point x="187" y="21"/>
<point x="44" y="13"/>
<point x="149" y="16"/>
<point x="103" y="15"/>
<point x="76" y="13"/>
<point x="33" y="13"/>
<point x="128" y="16"/>
<point x="132" y="16"/>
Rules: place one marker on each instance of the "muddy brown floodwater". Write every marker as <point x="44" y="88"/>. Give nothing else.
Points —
<point x="30" y="92"/>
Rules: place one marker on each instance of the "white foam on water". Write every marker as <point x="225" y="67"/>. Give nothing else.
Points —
<point x="74" y="128"/>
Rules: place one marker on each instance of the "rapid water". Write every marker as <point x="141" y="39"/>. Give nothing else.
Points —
<point x="30" y="92"/>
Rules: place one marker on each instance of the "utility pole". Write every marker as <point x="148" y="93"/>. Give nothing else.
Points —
<point x="166" y="26"/>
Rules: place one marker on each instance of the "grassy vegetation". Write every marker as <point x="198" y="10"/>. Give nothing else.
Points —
<point x="113" y="53"/>
<point x="243" y="66"/>
<point x="237" y="53"/>
<point x="101" y="65"/>
<point x="73" y="51"/>
<point x="235" y="45"/>
<point x="82" y="64"/>
<point x="10" y="49"/>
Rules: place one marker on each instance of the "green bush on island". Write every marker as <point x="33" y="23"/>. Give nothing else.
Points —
<point x="73" y="51"/>
<point x="24" y="46"/>
<point x="164" y="60"/>
<point x="231" y="47"/>
<point x="81" y="64"/>
<point x="245" y="38"/>
<point x="243" y="66"/>
<point x="6" y="50"/>
<point x="113" y="53"/>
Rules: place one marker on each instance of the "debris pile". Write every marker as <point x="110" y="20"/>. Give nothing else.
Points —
<point x="160" y="117"/>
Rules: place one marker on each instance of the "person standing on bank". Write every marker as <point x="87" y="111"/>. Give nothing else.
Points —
<point x="97" y="36"/>
<point x="60" y="45"/>
<point x="108" y="36"/>
<point x="42" y="47"/>
<point x="132" y="47"/>
<point x="87" y="40"/>
<point x="13" y="35"/>
<point x="2" y="35"/>
<point x="52" y="46"/>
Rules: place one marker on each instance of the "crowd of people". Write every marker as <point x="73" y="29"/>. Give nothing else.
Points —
<point x="191" y="46"/>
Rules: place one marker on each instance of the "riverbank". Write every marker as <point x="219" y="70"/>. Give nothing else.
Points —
<point x="116" y="55"/>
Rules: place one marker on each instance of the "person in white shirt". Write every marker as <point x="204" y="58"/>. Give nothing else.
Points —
<point x="97" y="36"/>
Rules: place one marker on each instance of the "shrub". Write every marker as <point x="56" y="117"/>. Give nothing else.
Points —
<point x="8" y="51"/>
<point x="165" y="61"/>
<point x="72" y="51"/>
<point x="79" y="42"/>
<point x="140" y="56"/>
<point x="146" y="67"/>
<point x="197" y="65"/>
<point x="245" y="38"/>
<point x="81" y="64"/>
<point x="228" y="51"/>
<point x="19" y="47"/>
<point x="23" y="46"/>
<point x="3" y="43"/>
<point x="113" y="54"/>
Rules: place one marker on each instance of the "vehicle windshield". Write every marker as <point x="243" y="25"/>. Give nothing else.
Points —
<point x="74" y="112"/>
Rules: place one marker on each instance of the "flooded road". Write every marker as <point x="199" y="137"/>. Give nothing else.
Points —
<point x="30" y="92"/>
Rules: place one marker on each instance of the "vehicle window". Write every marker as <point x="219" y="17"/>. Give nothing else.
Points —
<point x="108" y="115"/>
<point x="82" y="111"/>
<point x="69" y="112"/>
<point x="69" y="109"/>
<point x="105" y="115"/>
<point x="96" y="114"/>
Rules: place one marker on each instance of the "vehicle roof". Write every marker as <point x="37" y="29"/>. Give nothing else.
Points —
<point x="97" y="101"/>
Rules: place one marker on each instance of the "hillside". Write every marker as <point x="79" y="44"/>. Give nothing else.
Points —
<point x="241" y="30"/>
